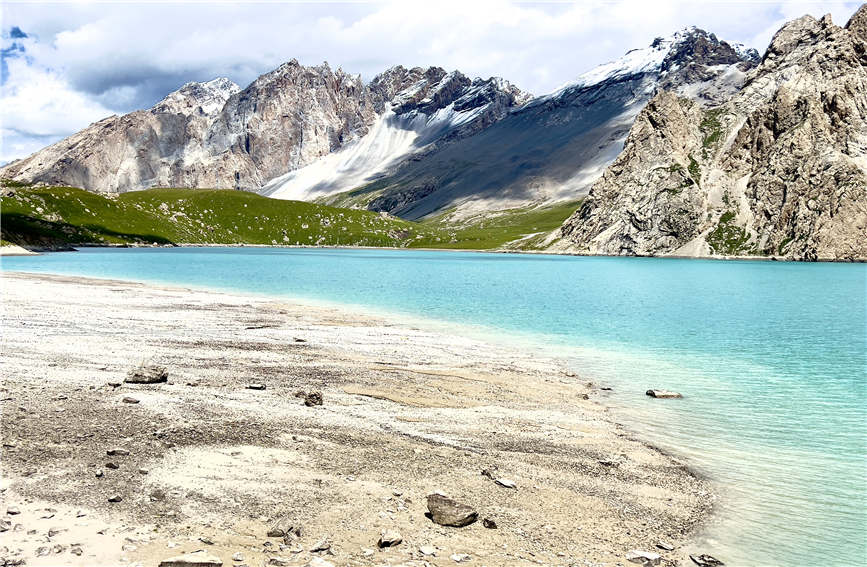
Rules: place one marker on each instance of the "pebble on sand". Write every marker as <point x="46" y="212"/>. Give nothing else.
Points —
<point x="644" y="558"/>
<point x="389" y="538"/>
<point x="195" y="559"/>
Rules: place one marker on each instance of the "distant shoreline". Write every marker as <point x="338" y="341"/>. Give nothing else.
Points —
<point x="16" y="250"/>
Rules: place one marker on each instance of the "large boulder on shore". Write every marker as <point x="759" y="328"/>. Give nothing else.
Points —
<point x="150" y="374"/>
<point x="446" y="512"/>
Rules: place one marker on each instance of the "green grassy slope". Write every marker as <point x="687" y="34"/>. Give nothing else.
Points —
<point x="56" y="216"/>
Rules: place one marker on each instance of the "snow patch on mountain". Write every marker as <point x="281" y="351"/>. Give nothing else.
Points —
<point x="356" y="163"/>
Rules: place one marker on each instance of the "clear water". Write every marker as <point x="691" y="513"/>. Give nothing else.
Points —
<point x="770" y="356"/>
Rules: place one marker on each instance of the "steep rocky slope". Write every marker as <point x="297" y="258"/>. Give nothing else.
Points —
<point x="779" y="169"/>
<point x="555" y="146"/>
<point x="216" y="135"/>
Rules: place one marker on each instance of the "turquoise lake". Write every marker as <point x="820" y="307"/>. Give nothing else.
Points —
<point x="771" y="358"/>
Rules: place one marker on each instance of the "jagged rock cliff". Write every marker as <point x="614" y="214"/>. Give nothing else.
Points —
<point x="779" y="169"/>
<point x="216" y="135"/>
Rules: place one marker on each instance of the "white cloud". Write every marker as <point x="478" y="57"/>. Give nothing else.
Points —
<point x="96" y="58"/>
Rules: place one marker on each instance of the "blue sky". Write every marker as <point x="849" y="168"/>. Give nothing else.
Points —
<point x="67" y="64"/>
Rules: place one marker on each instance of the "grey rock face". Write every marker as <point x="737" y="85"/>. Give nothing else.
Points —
<point x="779" y="169"/>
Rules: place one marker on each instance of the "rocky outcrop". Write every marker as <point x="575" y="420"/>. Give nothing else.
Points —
<point x="777" y="170"/>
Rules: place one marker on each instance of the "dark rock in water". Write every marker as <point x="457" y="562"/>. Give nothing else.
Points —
<point x="255" y="386"/>
<point x="489" y="523"/>
<point x="705" y="560"/>
<point x="313" y="399"/>
<point x="663" y="394"/>
<point x="150" y="374"/>
<point x="446" y="512"/>
<point x="389" y="538"/>
<point x="195" y="559"/>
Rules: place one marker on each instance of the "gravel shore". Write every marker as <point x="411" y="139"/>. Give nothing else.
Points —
<point x="213" y="464"/>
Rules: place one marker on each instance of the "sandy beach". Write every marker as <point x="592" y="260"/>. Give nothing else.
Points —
<point x="214" y="465"/>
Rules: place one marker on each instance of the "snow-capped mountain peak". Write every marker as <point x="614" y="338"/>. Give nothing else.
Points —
<point x="209" y="96"/>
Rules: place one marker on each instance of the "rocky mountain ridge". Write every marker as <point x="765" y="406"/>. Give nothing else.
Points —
<point x="777" y="170"/>
<point x="217" y="135"/>
<point x="553" y="147"/>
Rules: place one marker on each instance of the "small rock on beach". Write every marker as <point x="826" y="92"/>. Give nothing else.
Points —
<point x="446" y="512"/>
<point x="663" y="394"/>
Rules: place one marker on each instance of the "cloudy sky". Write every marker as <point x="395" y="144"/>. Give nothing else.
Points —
<point x="65" y="65"/>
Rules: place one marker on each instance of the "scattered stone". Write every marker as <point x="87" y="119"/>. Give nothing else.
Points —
<point x="147" y="374"/>
<point x="58" y="549"/>
<point x="665" y="545"/>
<point x="114" y="384"/>
<point x="112" y="466"/>
<point x="117" y="452"/>
<point x="313" y="399"/>
<point x="489" y="523"/>
<point x="98" y="473"/>
<point x="446" y="512"/>
<point x="319" y="562"/>
<point x="460" y="557"/>
<point x="644" y="558"/>
<point x="115" y="498"/>
<point x="389" y="538"/>
<point x="206" y="540"/>
<point x="143" y="471"/>
<point x="130" y="400"/>
<point x="506" y="483"/>
<point x="75" y="550"/>
<point x="428" y="550"/>
<point x="664" y="394"/>
<point x="490" y="472"/>
<point x="298" y="340"/>
<point x="238" y="556"/>
<point x="321" y="545"/>
<point x="276" y="532"/>
<point x="5" y="525"/>
<point x="705" y="560"/>
<point x="279" y="561"/>
<point x="42" y="551"/>
<point x="12" y="510"/>
<point x="195" y="559"/>
<point x="255" y="386"/>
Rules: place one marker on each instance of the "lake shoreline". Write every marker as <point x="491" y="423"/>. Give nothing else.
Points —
<point x="30" y="250"/>
<point x="405" y="410"/>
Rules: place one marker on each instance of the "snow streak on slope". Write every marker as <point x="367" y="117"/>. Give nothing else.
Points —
<point x="389" y="139"/>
